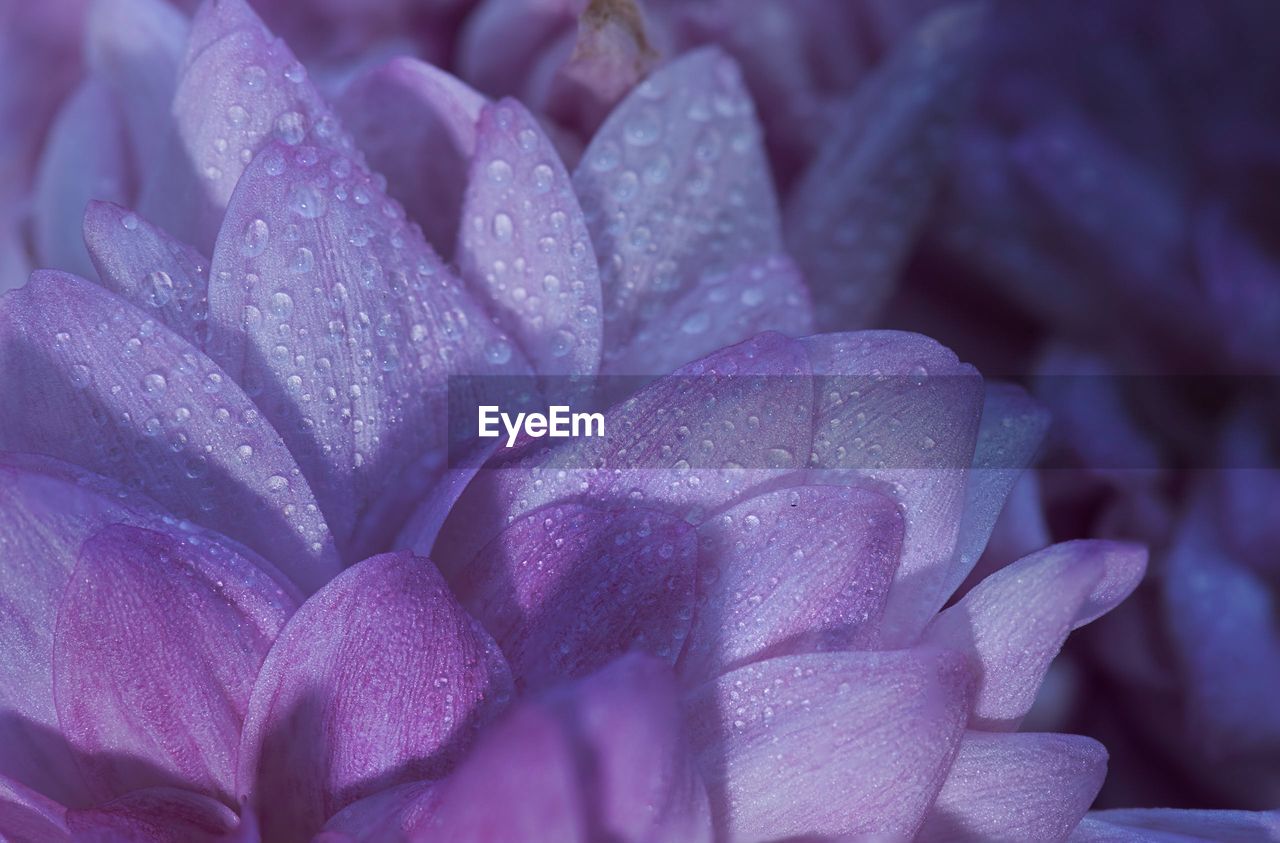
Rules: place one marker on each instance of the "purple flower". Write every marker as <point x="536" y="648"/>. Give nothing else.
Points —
<point x="250" y="595"/>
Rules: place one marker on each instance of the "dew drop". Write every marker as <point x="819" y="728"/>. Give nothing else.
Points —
<point x="256" y="234"/>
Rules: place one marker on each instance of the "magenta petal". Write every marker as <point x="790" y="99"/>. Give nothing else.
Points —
<point x="156" y="815"/>
<point x="853" y="216"/>
<point x="388" y="816"/>
<point x="763" y="293"/>
<point x="344" y="325"/>
<point x="163" y="418"/>
<point x="86" y="157"/>
<point x="151" y="270"/>
<point x="1016" y="788"/>
<point x="791" y="570"/>
<point x="1014" y="622"/>
<point x="830" y="744"/>
<point x="136" y="46"/>
<point x="238" y="89"/>
<point x="676" y="188"/>
<point x="379" y="679"/>
<point x="524" y="243"/>
<point x="569" y="587"/>
<point x="417" y="125"/>
<point x="28" y="817"/>
<point x="159" y="639"/>
<point x="1166" y="825"/>
<point x="902" y="410"/>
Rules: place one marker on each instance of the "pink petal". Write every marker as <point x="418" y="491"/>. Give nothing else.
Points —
<point x="791" y="570"/>
<point x="151" y="270"/>
<point x="159" y="639"/>
<point x="86" y="157"/>
<point x="330" y="308"/>
<point x="417" y="124"/>
<point x="157" y="815"/>
<point x="903" y="411"/>
<point x="852" y="217"/>
<point x="1016" y="788"/>
<point x="830" y="744"/>
<point x="764" y="293"/>
<point x="28" y="817"/>
<point x="1014" y="622"/>
<point x="569" y="587"/>
<point x="525" y="244"/>
<point x="239" y="88"/>
<point x="164" y="419"/>
<point x="676" y="188"/>
<point x="136" y="46"/>
<point x="755" y="397"/>
<point x="379" y="679"/>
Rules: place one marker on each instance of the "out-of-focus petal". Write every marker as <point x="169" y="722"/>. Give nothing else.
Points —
<point x="1167" y="825"/>
<point x="379" y="679"/>
<point x="417" y="125"/>
<point x="28" y="817"/>
<point x="675" y="187"/>
<point x="135" y="46"/>
<point x="155" y="815"/>
<point x="852" y="216"/>
<point x="570" y="587"/>
<point x="86" y="157"/>
<point x="791" y="571"/>
<point x="752" y="402"/>
<point x="764" y="293"/>
<point x="903" y="411"/>
<point x="158" y="642"/>
<point x="830" y="744"/>
<point x="93" y="381"/>
<point x="344" y="326"/>
<point x="238" y="89"/>
<point x="1014" y="622"/>
<point x="502" y="40"/>
<point x="151" y="270"/>
<point x="1222" y="624"/>
<point x="524" y="243"/>
<point x="1016" y="788"/>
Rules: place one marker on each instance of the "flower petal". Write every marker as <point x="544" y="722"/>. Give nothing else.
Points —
<point x="86" y="157"/>
<point x="525" y="244"/>
<point x="569" y="587"/>
<point x="763" y="293"/>
<point x="675" y="187"/>
<point x="755" y="397"/>
<point x="151" y="270"/>
<point x="904" y="411"/>
<point x="1167" y="825"/>
<point x="344" y="326"/>
<point x="136" y="46"/>
<point x="156" y="815"/>
<point x="830" y="744"/>
<point x="28" y="817"/>
<point x="159" y="639"/>
<point x="239" y="88"/>
<point x="379" y="679"/>
<point x="791" y="570"/>
<point x="852" y="216"/>
<point x="1015" y="621"/>
<point x="424" y="157"/>
<point x="1016" y="788"/>
<point x="163" y="418"/>
<point x="48" y="509"/>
